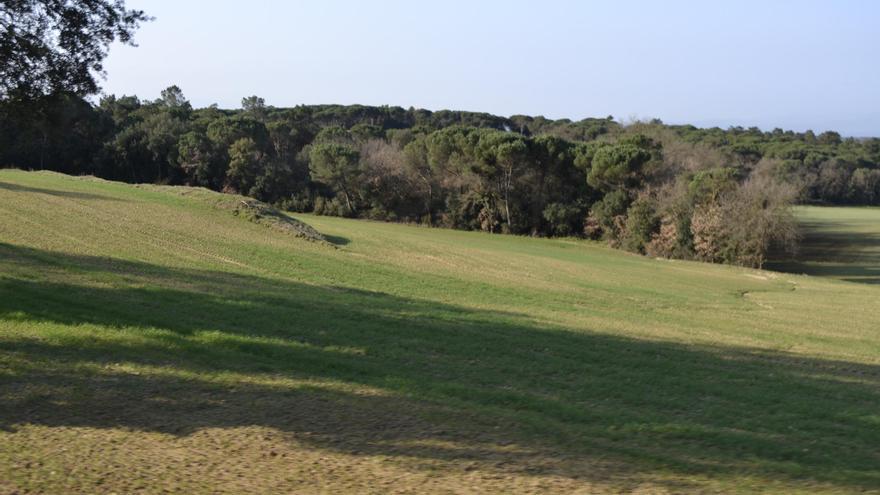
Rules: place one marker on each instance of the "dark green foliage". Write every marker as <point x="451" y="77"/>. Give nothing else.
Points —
<point x="246" y="162"/>
<point x="333" y="134"/>
<point x="60" y="132"/>
<point x="522" y="175"/>
<point x="609" y="212"/>
<point x="709" y="185"/>
<point x="617" y="166"/>
<point x="563" y="219"/>
<point x="254" y="107"/>
<point x="364" y="132"/>
<point x="58" y="46"/>
<point x="642" y="221"/>
<point x="195" y="159"/>
<point x="336" y="165"/>
<point x="864" y="186"/>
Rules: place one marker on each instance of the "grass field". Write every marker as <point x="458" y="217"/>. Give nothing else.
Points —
<point x="838" y="242"/>
<point x="152" y="342"/>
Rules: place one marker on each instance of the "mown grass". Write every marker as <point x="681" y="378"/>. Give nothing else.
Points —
<point x="149" y="342"/>
<point x="838" y="242"/>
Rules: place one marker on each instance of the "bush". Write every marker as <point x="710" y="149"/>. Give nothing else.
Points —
<point x="563" y="219"/>
<point x="332" y="207"/>
<point x="642" y="223"/>
<point x="665" y="242"/>
<point x="608" y="214"/>
<point x="710" y="234"/>
<point x="864" y="186"/>
<point x="742" y="226"/>
<point x="300" y="202"/>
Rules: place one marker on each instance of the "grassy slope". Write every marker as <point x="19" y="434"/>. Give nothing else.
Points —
<point x="148" y="340"/>
<point x="842" y="243"/>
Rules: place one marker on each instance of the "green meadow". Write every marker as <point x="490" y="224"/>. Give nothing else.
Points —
<point x="152" y="341"/>
<point x="838" y="242"/>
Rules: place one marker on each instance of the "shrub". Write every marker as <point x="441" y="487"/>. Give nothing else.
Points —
<point x="742" y="226"/>
<point x="710" y="234"/>
<point x="562" y="219"/>
<point x="665" y="242"/>
<point x="641" y="224"/>
<point x="608" y="214"/>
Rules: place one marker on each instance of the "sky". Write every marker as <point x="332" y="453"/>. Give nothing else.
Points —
<point x="791" y="64"/>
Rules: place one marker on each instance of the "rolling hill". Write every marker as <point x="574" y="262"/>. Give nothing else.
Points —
<point x="170" y="339"/>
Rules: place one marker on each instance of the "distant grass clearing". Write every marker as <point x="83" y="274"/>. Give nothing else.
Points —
<point x="839" y="242"/>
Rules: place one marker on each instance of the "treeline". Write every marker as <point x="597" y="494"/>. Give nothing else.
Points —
<point x="672" y="191"/>
<point x="825" y="168"/>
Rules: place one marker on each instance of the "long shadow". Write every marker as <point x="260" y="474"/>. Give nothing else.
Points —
<point x="337" y="240"/>
<point x="853" y="256"/>
<point x="479" y="379"/>
<point x="54" y="192"/>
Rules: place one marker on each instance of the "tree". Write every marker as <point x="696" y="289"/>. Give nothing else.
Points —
<point x="617" y="166"/>
<point x="416" y="159"/>
<point x="119" y="109"/>
<point x="502" y="156"/>
<point x="52" y="46"/>
<point x="742" y="225"/>
<point x="162" y="131"/>
<point x="608" y="215"/>
<point x="829" y="137"/>
<point x="709" y="185"/>
<point x="366" y="132"/>
<point x="563" y="219"/>
<point x="642" y="222"/>
<point x="281" y="139"/>
<point x="334" y="134"/>
<point x="833" y="180"/>
<point x="245" y="164"/>
<point x="255" y="107"/>
<point x="552" y="166"/>
<point x="865" y="186"/>
<point x="195" y="159"/>
<point x="224" y="131"/>
<point x="337" y="166"/>
<point x="172" y="99"/>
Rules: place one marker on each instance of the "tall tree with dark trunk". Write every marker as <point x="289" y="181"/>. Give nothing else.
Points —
<point x="337" y="166"/>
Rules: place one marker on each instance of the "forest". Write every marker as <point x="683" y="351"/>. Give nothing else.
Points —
<point x="673" y="191"/>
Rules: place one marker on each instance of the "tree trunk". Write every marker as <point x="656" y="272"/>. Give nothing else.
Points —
<point x="348" y="199"/>
<point x="507" y="180"/>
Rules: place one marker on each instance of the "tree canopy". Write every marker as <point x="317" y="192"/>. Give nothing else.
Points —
<point x="55" y="46"/>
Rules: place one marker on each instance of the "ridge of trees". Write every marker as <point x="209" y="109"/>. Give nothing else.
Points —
<point x="662" y="190"/>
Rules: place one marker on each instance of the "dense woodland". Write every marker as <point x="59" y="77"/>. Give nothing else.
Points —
<point x="673" y="191"/>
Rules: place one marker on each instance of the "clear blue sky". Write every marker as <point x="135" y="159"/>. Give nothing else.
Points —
<point x="791" y="64"/>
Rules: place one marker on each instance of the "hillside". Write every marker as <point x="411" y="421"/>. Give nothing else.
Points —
<point x="152" y="341"/>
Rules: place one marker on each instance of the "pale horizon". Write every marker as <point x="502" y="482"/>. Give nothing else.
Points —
<point x="796" y="65"/>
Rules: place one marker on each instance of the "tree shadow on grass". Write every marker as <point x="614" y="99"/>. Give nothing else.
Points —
<point x="337" y="240"/>
<point x="55" y="192"/>
<point x="852" y="256"/>
<point x="453" y="383"/>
